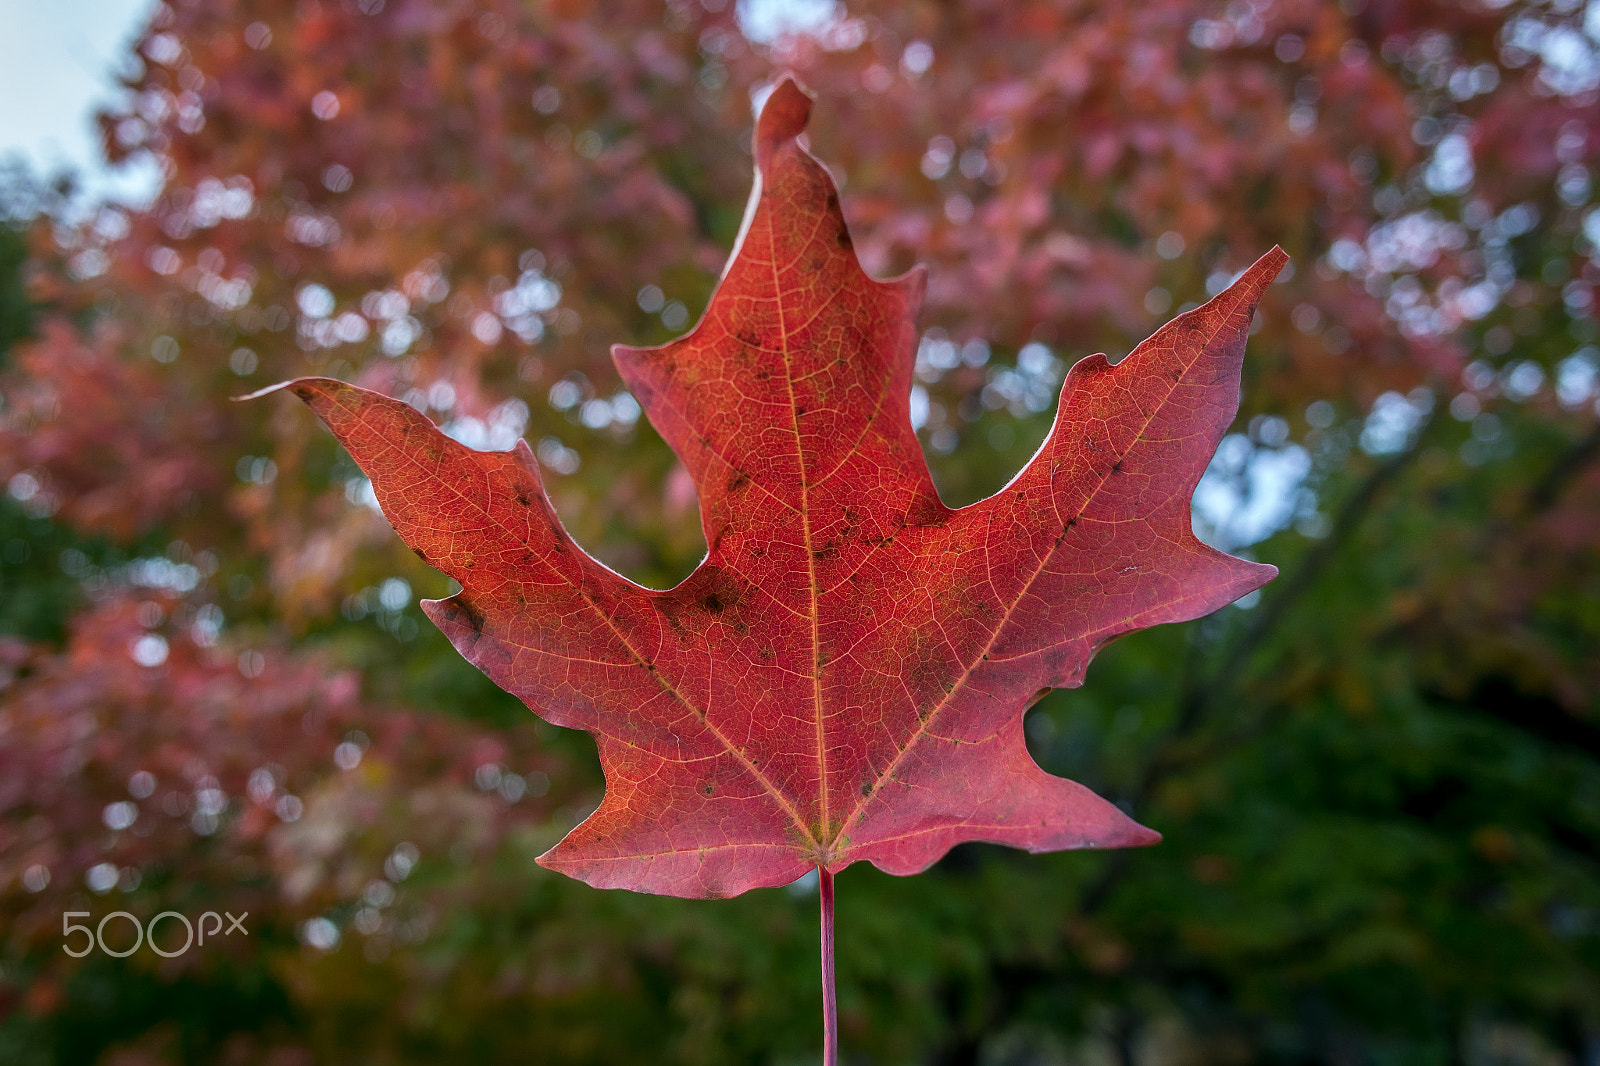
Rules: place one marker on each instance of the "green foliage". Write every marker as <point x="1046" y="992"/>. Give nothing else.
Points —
<point x="16" y="314"/>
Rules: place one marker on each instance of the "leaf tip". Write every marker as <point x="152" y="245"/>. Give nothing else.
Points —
<point x="1142" y="837"/>
<point x="1123" y="832"/>
<point x="1262" y="272"/>
<point x="1255" y="576"/>
<point x="261" y="392"/>
<point x="301" y="387"/>
<point x="783" y="117"/>
<point x="1272" y="264"/>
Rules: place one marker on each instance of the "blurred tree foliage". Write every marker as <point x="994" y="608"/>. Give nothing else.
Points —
<point x="1379" y="784"/>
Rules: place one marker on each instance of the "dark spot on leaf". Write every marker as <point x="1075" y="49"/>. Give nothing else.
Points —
<point x="710" y="592"/>
<point x="468" y="615"/>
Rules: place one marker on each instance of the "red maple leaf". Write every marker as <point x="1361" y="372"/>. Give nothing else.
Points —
<point x="844" y="676"/>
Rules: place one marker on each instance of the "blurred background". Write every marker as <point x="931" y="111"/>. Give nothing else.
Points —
<point x="1379" y="779"/>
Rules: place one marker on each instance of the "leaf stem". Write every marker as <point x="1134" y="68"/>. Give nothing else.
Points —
<point x="830" y="1010"/>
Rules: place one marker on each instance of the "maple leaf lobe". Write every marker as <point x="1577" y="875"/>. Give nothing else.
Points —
<point x="845" y="674"/>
